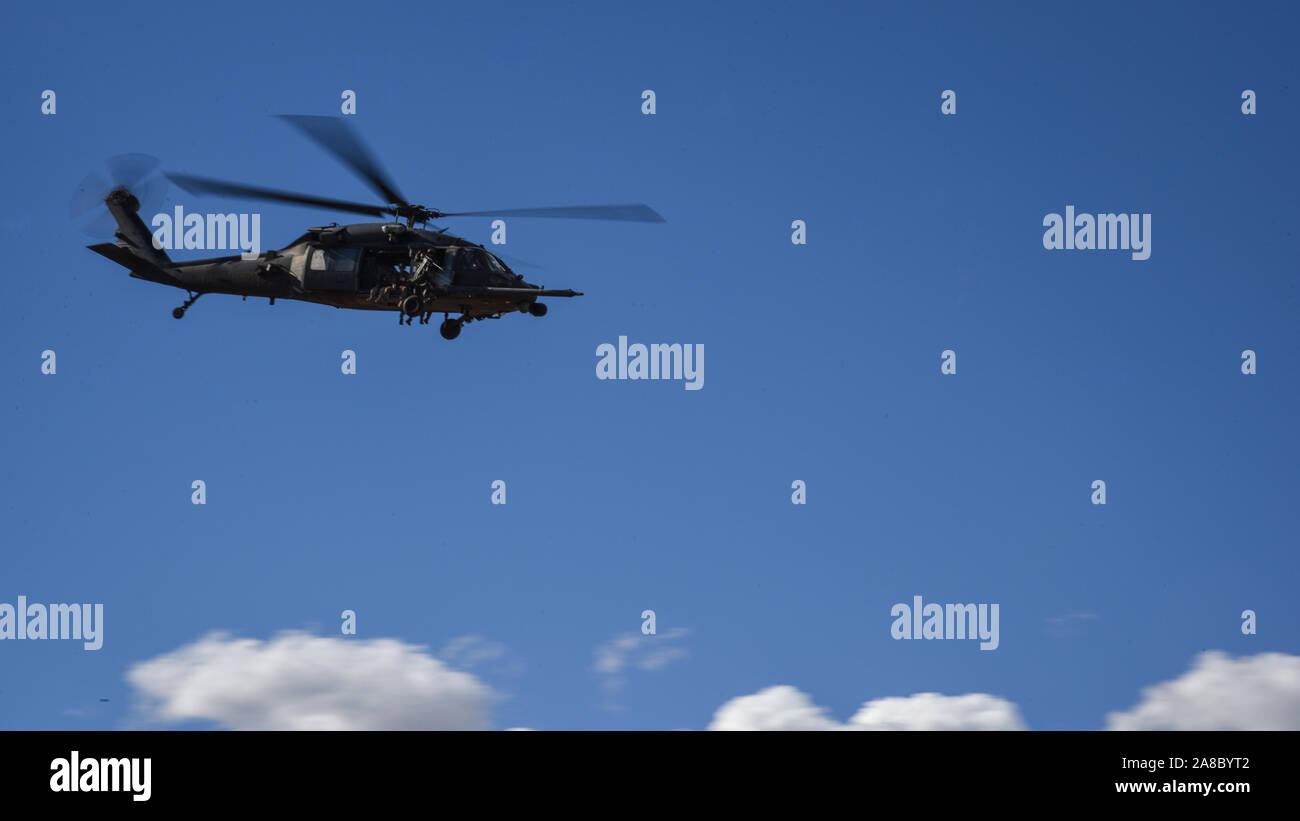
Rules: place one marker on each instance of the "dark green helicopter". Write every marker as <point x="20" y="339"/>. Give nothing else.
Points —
<point x="409" y="267"/>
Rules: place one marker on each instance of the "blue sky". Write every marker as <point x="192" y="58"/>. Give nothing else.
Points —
<point x="371" y="492"/>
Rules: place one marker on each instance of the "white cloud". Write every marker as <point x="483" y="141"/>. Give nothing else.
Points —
<point x="640" y="652"/>
<point x="776" y="708"/>
<point x="489" y="657"/>
<point x="1070" y="624"/>
<point x="471" y="650"/>
<point x="1259" y="692"/>
<point x="787" y="708"/>
<point x="932" y="711"/>
<point x="297" y="681"/>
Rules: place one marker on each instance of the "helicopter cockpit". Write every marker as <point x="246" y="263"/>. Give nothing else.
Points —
<point x="470" y="260"/>
<point x="472" y="265"/>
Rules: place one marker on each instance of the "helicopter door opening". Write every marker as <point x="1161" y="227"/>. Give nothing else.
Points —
<point x="331" y="269"/>
<point x="380" y="268"/>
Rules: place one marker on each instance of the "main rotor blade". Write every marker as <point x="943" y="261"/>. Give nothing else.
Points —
<point x="337" y="137"/>
<point x="204" y="185"/>
<point x="636" y="212"/>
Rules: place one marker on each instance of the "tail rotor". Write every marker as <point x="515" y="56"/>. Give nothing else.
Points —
<point x="134" y="172"/>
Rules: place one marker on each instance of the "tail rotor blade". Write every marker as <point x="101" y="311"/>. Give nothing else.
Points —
<point x="90" y="193"/>
<point x="132" y="171"/>
<point x="151" y="194"/>
<point x="129" y="169"/>
<point x="101" y="226"/>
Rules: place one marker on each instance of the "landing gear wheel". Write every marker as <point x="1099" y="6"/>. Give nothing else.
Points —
<point x="537" y="309"/>
<point x="180" y="312"/>
<point x="412" y="306"/>
<point x="450" y="329"/>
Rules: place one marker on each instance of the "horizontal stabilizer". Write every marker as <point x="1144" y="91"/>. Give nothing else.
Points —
<point x="138" y="266"/>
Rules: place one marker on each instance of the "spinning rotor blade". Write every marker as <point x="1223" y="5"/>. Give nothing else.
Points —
<point x="101" y="226"/>
<point x="337" y="137"/>
<point x="204" y="185"/>
<point x="150" y="193"/>
<point x="129" y="169"/>
<point x="124" y="170"/>
<point x="89" y="194"/>
<point x="636" y="212"/>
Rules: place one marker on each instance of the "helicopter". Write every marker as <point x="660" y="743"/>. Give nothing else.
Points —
<point x="405" y="264"/>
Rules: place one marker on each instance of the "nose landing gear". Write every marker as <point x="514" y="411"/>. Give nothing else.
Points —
<point x="450" y="328"/>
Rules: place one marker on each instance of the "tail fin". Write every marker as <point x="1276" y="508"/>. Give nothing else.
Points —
<point x="131" y="230"/>
<point x="134" y="248"/>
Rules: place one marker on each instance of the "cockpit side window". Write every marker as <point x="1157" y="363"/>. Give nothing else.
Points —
<point x="343" y="260"/>
<point x="468" y="260"/>
<point x="477" y="259"/>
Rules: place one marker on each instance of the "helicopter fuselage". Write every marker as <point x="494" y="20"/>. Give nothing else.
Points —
<point x="381" y="266"/>
<point x="366" y="266"/>
<point x="354" y="266"/>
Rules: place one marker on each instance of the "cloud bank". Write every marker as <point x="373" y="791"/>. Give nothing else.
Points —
<point x="787" y="708"/>
<point x="297" y="681"/>
<point x="1259" y="692"/>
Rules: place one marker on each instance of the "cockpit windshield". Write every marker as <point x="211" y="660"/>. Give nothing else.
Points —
<point x="477" y="259"/>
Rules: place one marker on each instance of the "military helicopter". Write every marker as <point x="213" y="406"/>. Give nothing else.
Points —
<point x="410" y="267"/>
